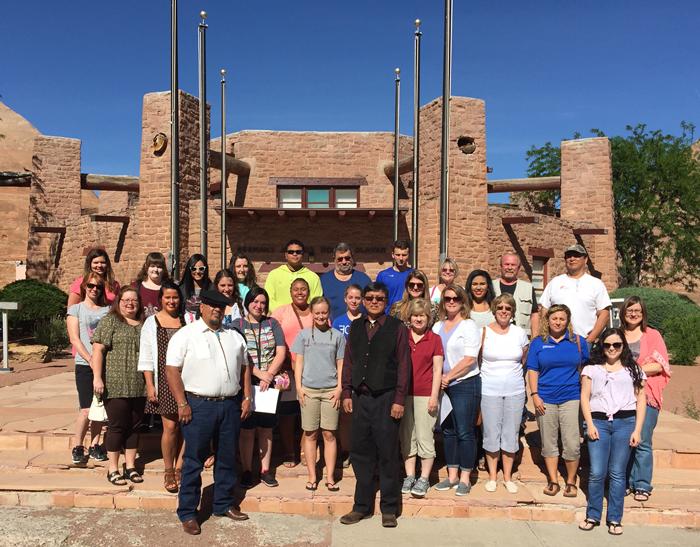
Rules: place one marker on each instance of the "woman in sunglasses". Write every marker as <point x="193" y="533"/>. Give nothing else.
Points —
<point x="649" y="350"/>
<point x="461" y="382"/>
<point x="81" y="322"/>
<point x="613" y="404"/>
<point x="503" y="355"/>
<point x="195" y="279"/>
<point x="416" y="286"/>
<point x="448" y="273"/>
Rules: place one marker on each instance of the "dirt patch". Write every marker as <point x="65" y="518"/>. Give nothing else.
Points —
<point x="34" y="370"/>
<point x="683" y="391"/>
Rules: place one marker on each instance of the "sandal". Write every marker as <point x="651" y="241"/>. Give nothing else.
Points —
<point x="312" y="486"/>
<point x="588" y="524"/>
<point x="133" y="475"/>
<point x="614" y="528"/>
<point x="116" y="478"/>
<point x="169" y="481"/>
<point x="570" y="491"/>
<point x="552" y="489"/>
<point x="641" y="495"/>
<point x="289" y="461"/>
<point x="332" y="487"/>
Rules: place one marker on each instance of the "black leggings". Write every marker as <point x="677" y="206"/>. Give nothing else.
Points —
<point x="123" y="417"/>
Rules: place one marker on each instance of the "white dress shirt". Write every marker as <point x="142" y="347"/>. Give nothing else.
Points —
<point x="210" y="360"/>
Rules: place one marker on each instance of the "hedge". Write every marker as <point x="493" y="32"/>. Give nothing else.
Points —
<point x="38" y="302"/>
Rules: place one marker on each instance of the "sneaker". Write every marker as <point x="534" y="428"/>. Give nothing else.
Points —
<point x="511" y="487"/>
<point x="408" y="483"/>
<point x="246" y="480"/>
<point x="98" y="453"/>
<point x="445" y="485"/>
<point x="79" y="456"/>
<point x="268" y="479"/>
<point x="463" y="489"/>
<point x="420" y="487"/>
<point x="490" y="486"/>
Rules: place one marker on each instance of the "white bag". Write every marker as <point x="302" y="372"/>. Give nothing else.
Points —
<point x="97" y="411"/>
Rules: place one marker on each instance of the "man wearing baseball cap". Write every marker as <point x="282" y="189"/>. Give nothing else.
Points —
<point x="585" y="295"/>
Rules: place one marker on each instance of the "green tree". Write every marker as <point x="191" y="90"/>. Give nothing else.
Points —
<point x="656" y="187"/>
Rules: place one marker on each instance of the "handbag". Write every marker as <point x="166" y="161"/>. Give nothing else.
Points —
<point x="97" y="412"/>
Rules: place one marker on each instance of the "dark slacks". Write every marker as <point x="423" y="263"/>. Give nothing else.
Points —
<point x="220" y="422"/>
<point x="124" y="414"/>
<point x="375" y="442"/>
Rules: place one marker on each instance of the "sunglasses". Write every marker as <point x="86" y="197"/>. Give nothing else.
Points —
<point x="573" y="255"/>
<point x="295" y="251"/>
<point x="506" y="308"/>
<point x="448" y="270"/>
<point x="452" y="299"/>
<point x="614" y="345"/>
<point x="375" y="298"/>
<point x="416" y="285"/>
<point x="93" y="286"/>
<point x="344" y="259"/>
<point x="200" y="269"/>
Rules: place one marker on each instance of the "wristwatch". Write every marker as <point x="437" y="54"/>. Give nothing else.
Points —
<point x="183" y="405"/>
<point x="246" y="398"/>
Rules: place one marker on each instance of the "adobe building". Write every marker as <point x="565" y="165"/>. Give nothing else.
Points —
<point x="320" y="187"/>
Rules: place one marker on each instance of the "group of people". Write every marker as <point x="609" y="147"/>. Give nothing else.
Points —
<point x="371" y="368"/>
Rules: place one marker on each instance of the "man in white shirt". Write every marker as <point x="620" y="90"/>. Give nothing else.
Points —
<point x="205" y="365"/>
<point x="585" y="295"/>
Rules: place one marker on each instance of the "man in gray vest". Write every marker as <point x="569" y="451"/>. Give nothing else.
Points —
<point x="526" y="308"/>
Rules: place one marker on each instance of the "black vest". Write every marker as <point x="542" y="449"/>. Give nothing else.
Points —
<point x="374" y="363"/>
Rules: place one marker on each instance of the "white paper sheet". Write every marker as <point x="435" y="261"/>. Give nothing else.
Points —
<point x="265" y="401"/>
<point x="445" y="406"/>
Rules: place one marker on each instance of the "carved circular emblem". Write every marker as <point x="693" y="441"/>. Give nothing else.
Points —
<point x="160" y="143"/>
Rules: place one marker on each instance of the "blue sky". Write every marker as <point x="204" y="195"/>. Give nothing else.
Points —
<point x="546" y="69"/>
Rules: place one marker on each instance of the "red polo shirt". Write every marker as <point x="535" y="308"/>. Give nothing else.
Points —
<point x="422" y="353"/>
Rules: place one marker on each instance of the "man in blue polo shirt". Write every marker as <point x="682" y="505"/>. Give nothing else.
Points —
<point x="337" y="280"/>
<point x="395" y="276"/>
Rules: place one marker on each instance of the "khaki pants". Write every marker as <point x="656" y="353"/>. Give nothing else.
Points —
<point x="560" y="419"/>
<point x="416" y="430"/>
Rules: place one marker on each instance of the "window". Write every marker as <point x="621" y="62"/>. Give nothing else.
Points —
<point x="539" y="274"/>
<point x="314" y="197"/>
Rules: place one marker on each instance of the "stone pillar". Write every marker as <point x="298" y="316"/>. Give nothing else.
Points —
<point x="468" y="197"/>
<point x="587" y="195"/>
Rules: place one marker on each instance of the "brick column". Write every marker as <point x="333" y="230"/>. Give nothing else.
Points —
<point x="468" y="221"/>
<point x="586" y="195"/>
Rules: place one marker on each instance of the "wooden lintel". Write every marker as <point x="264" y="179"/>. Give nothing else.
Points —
<point x="110" y="218"/>
<point x="523" y="185"/>
<point x="48" y="229"/>
<point x="520" y="220"/>
<point x="114" y="183"/>
<point x="590" y="231"/>
<point x="16" y="180"/>
<point x="539" y="251"/>
<point x="405" y="166"/>
<point x="233" y="164"/>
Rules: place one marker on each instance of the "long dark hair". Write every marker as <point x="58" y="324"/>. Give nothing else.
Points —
<point x="490" y="295"/>
<point x="253" y="293"/>
<point x="170" y="285"/>
<point x="187" y="282"/>
<point x="626" y="357"/>
<point x="222" y="274"/>
<point x="251" y="277"/>
<point x="153" y="259"/>
<point x="93" y="253"/>
<point x="629" y="302"/>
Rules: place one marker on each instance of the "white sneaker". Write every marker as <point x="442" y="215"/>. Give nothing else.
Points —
<point x="490" y="486"/>
<point x="511" y="487"/>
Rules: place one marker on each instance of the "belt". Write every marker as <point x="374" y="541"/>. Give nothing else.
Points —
<point x="363" y="389"/>
<point x="207" y="398"/>
<point x="617" y="416"/>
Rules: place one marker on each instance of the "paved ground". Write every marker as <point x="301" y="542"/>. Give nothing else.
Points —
<point x="87" y="527"/>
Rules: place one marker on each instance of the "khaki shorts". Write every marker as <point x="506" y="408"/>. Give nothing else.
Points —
<point x="562" y="419"/>
<point x="317" y="411"/>
<point x="416" y="430"/>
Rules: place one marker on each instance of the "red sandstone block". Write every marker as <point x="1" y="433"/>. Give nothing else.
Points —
<point x="297" y="507"/>
<point x="435" y="511"/>
<point x="125" y="501"/>
<point x="63" y="499"/>
<point x="12" y="441"/>
<point x="35" y="499"/>
<point x="250" y="505"/>
<point x="521" y="513"/>
<point x="34" y="442"/>
<point x="553" y="514"/>
<point x="488" y="512"/>
<point x="100" y="501"/>
<point x="56" y="443"/>
<point x="680" y="460"/>
<point x="159" y="503"/>
<point x="9" y="499"/>
<point x="270" y="505"/>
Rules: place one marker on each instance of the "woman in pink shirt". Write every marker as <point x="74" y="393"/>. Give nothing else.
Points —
<point x="649" y="351"/>
<point x="97" y="262"/>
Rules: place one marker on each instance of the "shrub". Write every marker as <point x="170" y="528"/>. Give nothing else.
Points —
<point x="53" y="334"/>
<point x="682" y="337"/>
<point x="37" y="302"/>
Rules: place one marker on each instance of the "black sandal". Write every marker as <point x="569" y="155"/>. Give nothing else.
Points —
<point x="614" y="528"/>
<point x="588" y="524"/>
<point x="133" y="475"/>
<point x="116" y="478"/>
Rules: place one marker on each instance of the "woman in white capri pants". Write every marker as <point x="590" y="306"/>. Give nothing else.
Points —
<point x="503" y="354"/>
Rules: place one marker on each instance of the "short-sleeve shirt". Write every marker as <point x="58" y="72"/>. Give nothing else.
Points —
<point x="291" y="324"/>
<point x="501" y="362"/>
<point x="321" y="351"/>
<point x="422" y="353"/>
<point x="462" y="341"/>
<point x="262" y="340"/>
<point x="110" y="294"/>
<point x="342" y="323"/>
<point x="149" y="300"/>
<point x="334" y="289"/>
<point x="611" y="391"/>
<point x="585" y="296"/>
<point x="396" y="282"/>
<point x="88" y="319"/>
<point x="121" y="340"/>
<point x="482" y="318"/>
<point x="557" y="364"/>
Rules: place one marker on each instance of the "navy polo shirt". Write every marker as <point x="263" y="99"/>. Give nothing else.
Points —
<point x="558" y="366"/>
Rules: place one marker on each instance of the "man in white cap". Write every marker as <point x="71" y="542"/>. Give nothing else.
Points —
<point x="585" y="295"/>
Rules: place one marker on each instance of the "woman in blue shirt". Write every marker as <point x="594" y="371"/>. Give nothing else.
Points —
<point x="553" y="365"/>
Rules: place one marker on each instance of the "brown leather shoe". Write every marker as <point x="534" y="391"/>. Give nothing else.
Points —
<point x="389" y="520"/>
<point x="233" y="514"/>
<point x="353" y="517"/>
<point x="191" y="527"/>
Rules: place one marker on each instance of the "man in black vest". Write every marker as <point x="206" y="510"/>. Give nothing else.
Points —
<point x="376" y="377"/>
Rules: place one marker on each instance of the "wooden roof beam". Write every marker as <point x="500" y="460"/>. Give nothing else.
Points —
<point x="590" y="231"/>
<point x="523" y="185"/>
<point x="519" y="220"/>
<point x="113" y="183"/>
<point x="233" y="164"/>
<point x="405" y="166"/>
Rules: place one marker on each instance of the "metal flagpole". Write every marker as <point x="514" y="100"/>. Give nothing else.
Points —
<point x="397" y="179"/>
<point x="444" y="167"/>
<point x="203" y="183"/>
<point x="174" y="149"/>
<point x="416" y="141"/>
<point x="223" y="169"/>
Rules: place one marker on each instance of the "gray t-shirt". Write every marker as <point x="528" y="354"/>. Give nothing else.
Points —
<point x="88" y="318"/>
<point x="321" y="351"/>
<point x="635" y="348"/>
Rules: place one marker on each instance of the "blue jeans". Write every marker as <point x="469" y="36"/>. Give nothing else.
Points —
<point x="609" y="455"/>
<point x="459" y="428"/>
<point x="641" y="465"/>
<point x="212" y="421"/>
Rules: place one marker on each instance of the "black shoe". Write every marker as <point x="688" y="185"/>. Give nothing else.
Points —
<point x="247" y="480"/>
<point x="353" y="517"/>
<point x="98" y="453"/>
<point x="78" y="454"/>
<point x="389" y="520"/>
<point x="268" y="479"/>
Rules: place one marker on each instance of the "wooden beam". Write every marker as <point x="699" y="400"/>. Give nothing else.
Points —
<point x="233" y="164"/>
<point x="523" y="185"/>
<point x="16" y="180"/>
<point x="520" y="220"/>
<point x="590" y="231"/>
<point x="405" y="166"/>
<point x="113" y="183"/>
<point x="110" y="218"/>
<point x="48" y="229"/>
<point x="539" y="251"/>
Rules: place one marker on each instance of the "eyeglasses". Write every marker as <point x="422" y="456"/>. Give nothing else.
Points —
<point x="93" y="286"/>
<point x="375" y="298"/>
<point x="506" y="308"/>
<point x="614" y="345"/>
<point x="295" y="251"/>
<point x="417" y="286"/>
<point x="452" y="299"/>
<point x="633" y="312"/>
<point x="344" y="259"/>
<point x="129" y="301"/>
<point x="200" y="269"/>
<point x="448" y="270"/>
